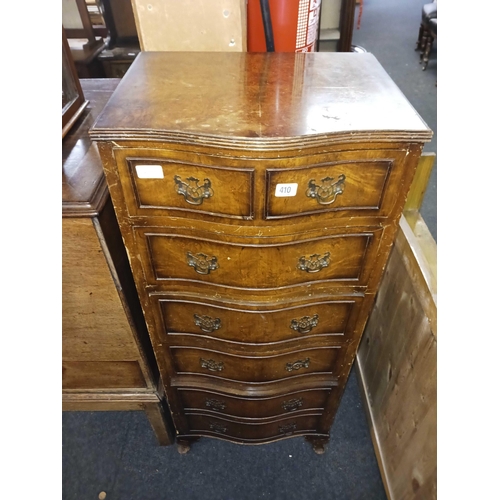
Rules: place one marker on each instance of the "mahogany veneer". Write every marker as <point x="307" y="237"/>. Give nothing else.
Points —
<point x="258" y="197"/>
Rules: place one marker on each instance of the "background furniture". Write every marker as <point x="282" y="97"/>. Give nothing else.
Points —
<point x="336" y="25"/>
<point x="427" y="32"/>
<point x="77" y="21"/>
<point x="430" y="36"/>
<point x="119" y="19"/>
<point x="397" y="357"/>
<point x="116" y="61"/>
<point x="255" y="311"/>
<point x="107" y="359"/>
<point x="85" y="41"/>
<point x="123" y="44"/>
<point x="73" y="100"/>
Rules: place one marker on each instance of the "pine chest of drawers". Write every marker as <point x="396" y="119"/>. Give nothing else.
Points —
<point x="258" y="197"/>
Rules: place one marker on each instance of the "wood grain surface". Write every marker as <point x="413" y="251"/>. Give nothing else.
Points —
<point x="107" y="358"/>
<point x="334" y="125"/>
<point x="397" y="368"/>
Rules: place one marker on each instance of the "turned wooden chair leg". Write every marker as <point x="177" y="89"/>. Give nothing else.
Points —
<point x="419" y="39"/>
<point x="428" y="48"/>
<point x="425" y="40"/>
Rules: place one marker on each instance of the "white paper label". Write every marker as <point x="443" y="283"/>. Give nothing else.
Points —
<point x="286" y="189"/>
<point x="149" y="171"/>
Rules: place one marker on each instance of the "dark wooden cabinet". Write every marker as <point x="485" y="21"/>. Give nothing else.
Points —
<point x="258" y="197"/>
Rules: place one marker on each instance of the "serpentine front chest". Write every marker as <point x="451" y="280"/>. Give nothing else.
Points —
<point x="258" y="197"/>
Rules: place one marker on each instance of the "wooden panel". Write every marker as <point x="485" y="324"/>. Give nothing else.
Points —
<point x="259" y="100"/>
<point x="397" y="369"/>
<point x="224" y="404"/>
<point x="186" y="187"/>
<point x="125" y="401"/>
<point x="339" y="258"/>
<point x="191" y="25"/>
<point x="256" y="369"/>
<point x="94" y="323"/>
<point x="260" y="325"/>
<point x="344" y="186"/>
<point x="420" y="181"/>
<point x="102" y="375"/>
<point x="217" y="427"/>
<point x="123" y="18"/>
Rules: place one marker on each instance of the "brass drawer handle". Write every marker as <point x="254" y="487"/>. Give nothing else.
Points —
<point x="292" y="404"/>
<point x="193" y="193"/>
<point x="327" y="193"/>
<point x="211" y="365"/>
<point x="206" y="323"/>
<point x="202" y="263"/>
<point x="304" y="324"/>
<point x="287" y="428"/>
<point x="297" y="365"/>
<point x="215" y="404"/>
<point x="219" y="428"/>
<point x="313" y="263"/>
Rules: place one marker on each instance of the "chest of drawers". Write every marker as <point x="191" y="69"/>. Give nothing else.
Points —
<point x="258" y="197"/>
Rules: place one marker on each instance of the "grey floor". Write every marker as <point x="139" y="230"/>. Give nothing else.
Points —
<point x="389" y="30"/>
<point x="116" y="452"/>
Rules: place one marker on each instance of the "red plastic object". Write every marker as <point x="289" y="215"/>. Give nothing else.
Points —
<point x="295" y="25"/>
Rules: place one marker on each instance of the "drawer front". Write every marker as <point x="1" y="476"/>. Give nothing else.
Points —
<point x="169" y="186"/>
<point x="340" y="258"/>
<point x="189" y="360"/>
<point x="355" y="186"/>
<point x="260" y="326"/>
<point x="212" y="426"/>
<point x="199" y="401"/>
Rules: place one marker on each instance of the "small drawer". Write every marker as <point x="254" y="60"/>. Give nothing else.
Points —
<point x="334" y="318"/>
<point x="339" y="257"/>
<point x="246" y="432"/>
<point x="306" y="401"/>
<point x="189" y="360"/>
<point x="158" y="185"/>
<point x="351" y="186"/>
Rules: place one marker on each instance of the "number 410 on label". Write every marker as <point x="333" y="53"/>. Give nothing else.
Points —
<point x="286" y="189"/>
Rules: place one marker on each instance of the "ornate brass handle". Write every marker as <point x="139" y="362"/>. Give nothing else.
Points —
<point x="211" y="365"/>
<point x="193" y="193"/>
<point x="216" y="427"/>
<point x="292" y="404"/>
<point x="297" y="365"/>
<point x="202" y="263"/>
<point x="206" y="323"/>
<point x="215" y="404"/>
<point x="313" y="263"/>
<point x="304" y="324"/>
<point x="287" y="428"/>
<point x="327" y="193"/>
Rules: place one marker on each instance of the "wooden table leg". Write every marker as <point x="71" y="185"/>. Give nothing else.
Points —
<point x="160" y="424"/>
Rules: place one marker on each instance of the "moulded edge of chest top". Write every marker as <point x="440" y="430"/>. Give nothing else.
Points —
<point x="259" y="146"/>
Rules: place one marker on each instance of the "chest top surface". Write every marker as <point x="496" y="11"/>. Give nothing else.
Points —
<point x="257" y="97"/>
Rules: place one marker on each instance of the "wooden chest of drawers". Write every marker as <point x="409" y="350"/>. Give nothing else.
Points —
<point x="258" y="196"/>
